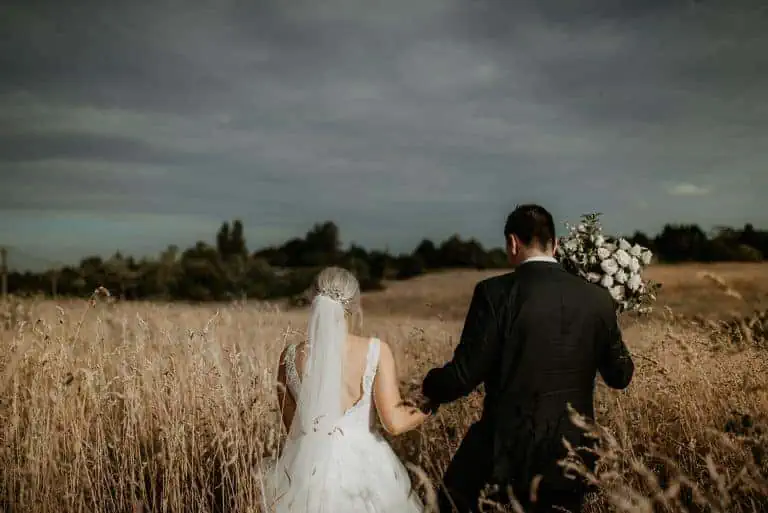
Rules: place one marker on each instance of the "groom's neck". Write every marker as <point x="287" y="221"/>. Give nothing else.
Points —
<point x="535" y="252"/>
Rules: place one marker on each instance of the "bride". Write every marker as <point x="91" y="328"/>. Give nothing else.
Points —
<point x="330" y="386"/>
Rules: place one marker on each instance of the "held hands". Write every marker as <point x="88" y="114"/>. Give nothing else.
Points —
<point x="417" y="400"/>
<point x="427" y="406"/>
<point x="420" y="404"/>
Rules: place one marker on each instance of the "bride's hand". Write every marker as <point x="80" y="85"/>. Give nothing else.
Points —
<point x="427" y="406"/>
<point x="415" y="398"/>
<point x="421" y="403"/>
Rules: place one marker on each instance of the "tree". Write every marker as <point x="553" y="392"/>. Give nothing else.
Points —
<point x="409" y="266"/>
<point x="428" y="254"/>
<point x="222" y="240"/>
<point x="118" y="274"/>
<point x="237" y="244"/>
<point x="641" y="238"/>
<point x="201" y="272"/>
<point x="322" y="245"/>
<point x="680" y="243"/>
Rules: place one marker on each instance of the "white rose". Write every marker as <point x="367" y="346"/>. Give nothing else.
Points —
<point x="581" y="228"/>
<point x="617" y="292"/>
<point x="609" y="266"/>
<point x="622" y="258"/>
<point x="635" y="282"/>
<point x="606" y="281"/>
<point x="623" y="244"/>
<point x="599" y="241"/>
<point x="646" y="257"/>
<point x="634" y="265"/>
<point x="593" y="277"/>
<point x="603" y="253"/>
<point x="592" y="260"/>
<point x="572" y="245"/>
<point x="620" y="276"/>
<point x="636" y="250"/>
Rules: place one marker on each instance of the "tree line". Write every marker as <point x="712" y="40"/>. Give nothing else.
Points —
<point x="227" y="270"/>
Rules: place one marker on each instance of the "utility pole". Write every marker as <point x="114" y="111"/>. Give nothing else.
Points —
<point x="4" y="272"/>
<point x="55" y="283"/>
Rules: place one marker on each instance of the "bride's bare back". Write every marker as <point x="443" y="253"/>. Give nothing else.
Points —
<point x="356" y="349"/>
<point x="395" y="417"/>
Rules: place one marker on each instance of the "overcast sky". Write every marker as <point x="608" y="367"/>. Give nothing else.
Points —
<point x="131" y="127"/>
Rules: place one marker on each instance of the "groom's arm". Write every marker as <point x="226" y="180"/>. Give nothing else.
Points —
<point x="614" y="359"/>
<point x="475" y="354"/>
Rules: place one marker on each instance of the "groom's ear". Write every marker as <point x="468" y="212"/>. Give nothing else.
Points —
<point x="512" y="249"/>
<point x="555" y="246"/>
<point x="511" y="244"/>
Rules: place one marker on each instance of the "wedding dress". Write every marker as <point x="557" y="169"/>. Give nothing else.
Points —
<point x="343" y="466"/>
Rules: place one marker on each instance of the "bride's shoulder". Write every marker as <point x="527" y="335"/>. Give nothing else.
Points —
<point x="383" y="349"/>
<point x="366" y="342"/>
<point x="293" y="351"/>
<point x="358" y="340"/>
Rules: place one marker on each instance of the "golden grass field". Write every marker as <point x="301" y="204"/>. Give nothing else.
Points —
<point x="166" y="407"/>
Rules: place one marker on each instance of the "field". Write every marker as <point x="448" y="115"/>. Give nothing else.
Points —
<point x="167" y="407"/>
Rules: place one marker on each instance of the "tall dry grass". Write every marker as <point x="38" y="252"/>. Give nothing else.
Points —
<point x="140" y="407"/>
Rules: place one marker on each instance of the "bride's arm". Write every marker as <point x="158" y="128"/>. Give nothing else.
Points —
<point x="284" y="398"/>
<point x="396" y="417"/>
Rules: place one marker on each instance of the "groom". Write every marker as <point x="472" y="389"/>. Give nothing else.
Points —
<point x="536" y="339"/>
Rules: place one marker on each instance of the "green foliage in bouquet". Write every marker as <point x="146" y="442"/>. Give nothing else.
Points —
<point x="611" y="262"/>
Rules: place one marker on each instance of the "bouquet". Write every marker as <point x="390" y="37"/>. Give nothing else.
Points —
<point x="611" y="262"/>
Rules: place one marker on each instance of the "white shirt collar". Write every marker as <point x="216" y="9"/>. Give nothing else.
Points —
<point x="539" y="259"/>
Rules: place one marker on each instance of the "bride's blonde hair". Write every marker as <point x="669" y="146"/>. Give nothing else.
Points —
<point x="341" y="285"/>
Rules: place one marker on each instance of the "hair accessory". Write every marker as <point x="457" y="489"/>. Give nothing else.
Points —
<point x="334" y="295"/>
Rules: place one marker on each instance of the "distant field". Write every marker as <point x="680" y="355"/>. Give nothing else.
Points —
<point x="138" y="407"/>
<point x="685" y="290"/>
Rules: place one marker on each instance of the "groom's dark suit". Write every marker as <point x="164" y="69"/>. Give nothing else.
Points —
<point x="536" y="339"/>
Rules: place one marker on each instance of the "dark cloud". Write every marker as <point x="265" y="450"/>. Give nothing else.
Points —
<point x="82" y="146"/>
<point x="396" y="119"/>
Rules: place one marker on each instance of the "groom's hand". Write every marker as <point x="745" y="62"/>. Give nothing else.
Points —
<point x="422" y="404"/>
<point x="425" y="404"/>
<point x="428" y="407"/>
<point x="417" y="399"/>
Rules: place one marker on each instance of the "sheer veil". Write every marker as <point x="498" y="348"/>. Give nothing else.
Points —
<point x="302" y="478"/>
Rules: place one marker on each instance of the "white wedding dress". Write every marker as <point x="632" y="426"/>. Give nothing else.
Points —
<point x="362" y="473"/>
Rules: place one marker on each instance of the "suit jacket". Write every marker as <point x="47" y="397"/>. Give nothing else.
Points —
<point x="536" y="338"/>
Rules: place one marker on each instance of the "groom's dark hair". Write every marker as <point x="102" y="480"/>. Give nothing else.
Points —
<point x="533" y="225"/>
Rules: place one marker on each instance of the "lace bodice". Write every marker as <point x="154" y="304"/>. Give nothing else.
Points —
<point x="359" y="414"/>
